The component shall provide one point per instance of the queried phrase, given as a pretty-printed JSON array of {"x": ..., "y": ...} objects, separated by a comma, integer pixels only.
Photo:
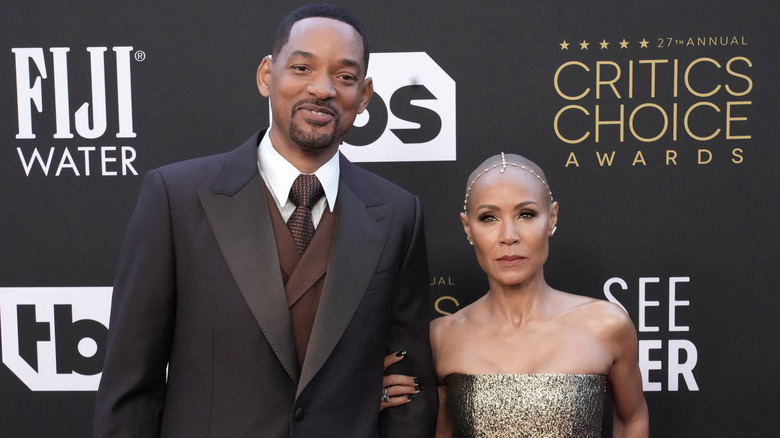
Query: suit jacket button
[{"x": 299, "y": 414}]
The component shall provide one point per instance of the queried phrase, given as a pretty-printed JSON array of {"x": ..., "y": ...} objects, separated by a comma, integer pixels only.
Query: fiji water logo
[{"x": 45, "y": 89}]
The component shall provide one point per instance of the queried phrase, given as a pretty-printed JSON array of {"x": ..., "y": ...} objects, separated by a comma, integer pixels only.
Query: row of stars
[{"x": 604, "y": 44}]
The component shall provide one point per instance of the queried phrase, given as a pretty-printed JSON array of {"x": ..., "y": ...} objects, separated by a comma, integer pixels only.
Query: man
[{"x": 228, "y": 320}]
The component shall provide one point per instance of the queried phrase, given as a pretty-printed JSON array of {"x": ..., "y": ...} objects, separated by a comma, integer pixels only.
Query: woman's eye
[
  {"x": 527, "y": 214},
  {"x": 487, "y": 218}
]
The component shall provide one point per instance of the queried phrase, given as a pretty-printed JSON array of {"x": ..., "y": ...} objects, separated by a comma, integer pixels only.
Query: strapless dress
[{"x": 526, "y": 405}]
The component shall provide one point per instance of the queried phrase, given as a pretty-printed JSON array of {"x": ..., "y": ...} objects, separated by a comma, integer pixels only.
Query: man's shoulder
[
  {"x": 194, "y": 165},
  {"x": 360, "y": 178},
  {"x": 239, "y": 160}
]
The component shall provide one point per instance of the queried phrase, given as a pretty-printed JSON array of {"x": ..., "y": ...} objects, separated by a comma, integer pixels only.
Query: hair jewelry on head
[{"x": 503, "y": 165}]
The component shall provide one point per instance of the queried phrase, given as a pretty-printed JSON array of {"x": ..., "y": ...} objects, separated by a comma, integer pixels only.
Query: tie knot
[{"x": 306, "y": 190}]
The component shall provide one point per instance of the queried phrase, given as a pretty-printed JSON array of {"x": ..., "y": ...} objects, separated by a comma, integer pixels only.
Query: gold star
[
  {"x": 564, "y": 45},
  {"x": 603, "y": 44},
  {"x": 583, "y": 45},
  {"x": 624, "y": 44},
  {"x": 644, "y": 43}
]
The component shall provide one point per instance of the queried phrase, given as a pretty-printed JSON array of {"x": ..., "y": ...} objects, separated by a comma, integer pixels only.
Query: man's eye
[{"x": 348, "y": 78}]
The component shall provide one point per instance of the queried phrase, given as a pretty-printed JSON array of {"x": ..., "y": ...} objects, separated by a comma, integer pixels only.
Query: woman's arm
[{"x": 624, "y": 381}]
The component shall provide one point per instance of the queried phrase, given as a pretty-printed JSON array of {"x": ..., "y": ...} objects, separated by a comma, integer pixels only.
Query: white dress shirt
[{"x": 279, "y": 175}]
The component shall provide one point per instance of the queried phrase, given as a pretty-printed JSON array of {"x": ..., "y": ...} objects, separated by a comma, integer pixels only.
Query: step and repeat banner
[{"x": 656, "y": 122}]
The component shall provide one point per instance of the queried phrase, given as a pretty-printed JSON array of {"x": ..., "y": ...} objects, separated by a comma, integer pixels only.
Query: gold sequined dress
[{"x": 526, "y": 405}]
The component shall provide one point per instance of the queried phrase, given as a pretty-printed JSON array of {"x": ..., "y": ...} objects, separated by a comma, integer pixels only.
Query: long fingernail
[
  {"x": 418, "y": 387},
  {"x": 400, "y": 353},
  {"x": 417, "y": 381},
  {"x": 411, "y": 396}
]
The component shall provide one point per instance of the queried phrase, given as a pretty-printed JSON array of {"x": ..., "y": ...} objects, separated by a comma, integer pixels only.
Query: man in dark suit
[{"x": 231, "y": 317}]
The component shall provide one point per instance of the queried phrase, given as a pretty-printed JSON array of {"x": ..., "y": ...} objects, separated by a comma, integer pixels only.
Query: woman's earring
[
  {"x": 555, "y": 227},
  {"x": 469, "y": 239}
]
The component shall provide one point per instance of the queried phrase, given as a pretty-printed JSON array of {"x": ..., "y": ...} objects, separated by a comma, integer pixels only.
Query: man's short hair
[{"x": 325, "y": 10}]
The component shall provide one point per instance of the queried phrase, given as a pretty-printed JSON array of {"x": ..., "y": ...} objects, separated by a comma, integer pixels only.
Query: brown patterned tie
[{"x": 305, "y": 192}]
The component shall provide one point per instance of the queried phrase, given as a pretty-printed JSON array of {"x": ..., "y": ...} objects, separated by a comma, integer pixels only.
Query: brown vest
[{"x": 303, "y": 286}]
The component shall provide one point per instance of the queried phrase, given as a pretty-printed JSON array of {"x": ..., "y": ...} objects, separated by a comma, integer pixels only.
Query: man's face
[{"x": 315, "y": 84}]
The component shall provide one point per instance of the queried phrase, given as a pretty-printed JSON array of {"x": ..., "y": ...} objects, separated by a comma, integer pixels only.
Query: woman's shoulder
[
  {"x": 441, "y": 324},
  {"x": 448, "y": 322},
  {"x": 452, "y": 323},
  {"x": 608, "y": 312},
  {"x": 590, "y": 305},
  {"x": 602, "y": 317}
]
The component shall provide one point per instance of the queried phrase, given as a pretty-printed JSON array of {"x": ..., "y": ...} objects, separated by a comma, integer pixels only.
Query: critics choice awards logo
[{"x": 656, "y": 102}]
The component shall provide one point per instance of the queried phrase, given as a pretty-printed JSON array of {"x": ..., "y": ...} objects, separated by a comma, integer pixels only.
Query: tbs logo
[{"x": 53, "y": 338}]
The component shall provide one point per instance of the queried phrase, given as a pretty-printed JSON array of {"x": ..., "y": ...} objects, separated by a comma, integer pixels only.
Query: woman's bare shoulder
[
  {"x": 609, "y": 320},
  {"x": 451, "y": 321},
  {"x": 603, "y": 316},
  {"x": 453, "y": 325},
  {"x": 590, "y": 305}
]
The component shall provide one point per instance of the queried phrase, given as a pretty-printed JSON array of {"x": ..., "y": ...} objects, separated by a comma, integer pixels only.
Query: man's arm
[
  {"x": 409, "y": 331},
  {"x": 132, "y": 389}
]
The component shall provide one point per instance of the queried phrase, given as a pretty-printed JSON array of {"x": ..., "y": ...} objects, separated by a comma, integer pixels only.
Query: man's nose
[{"x": 322, "y": 87}]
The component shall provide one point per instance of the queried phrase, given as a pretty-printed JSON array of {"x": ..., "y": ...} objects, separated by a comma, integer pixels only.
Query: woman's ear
[
  {"x": 553, "y": 217},
  {"x": 464, "y": 219}
]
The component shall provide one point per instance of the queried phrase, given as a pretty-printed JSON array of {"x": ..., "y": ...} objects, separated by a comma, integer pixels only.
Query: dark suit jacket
[{"x": 199, "y": 289}]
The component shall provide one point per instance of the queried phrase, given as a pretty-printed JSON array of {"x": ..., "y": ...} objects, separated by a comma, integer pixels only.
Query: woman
[{"x": 526, "y": 359}]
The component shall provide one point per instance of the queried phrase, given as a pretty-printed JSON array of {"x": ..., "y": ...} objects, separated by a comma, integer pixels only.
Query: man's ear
[
  {"x": 368, "y": 91},
  {"x": 264, "y": 76}
]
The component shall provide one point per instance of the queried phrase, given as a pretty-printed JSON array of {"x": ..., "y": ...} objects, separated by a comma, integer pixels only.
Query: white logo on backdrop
[
  {"x": 682, "y": 355},
  {"x": 53, "y": 338},
  {"x": 90, "y": 120}
]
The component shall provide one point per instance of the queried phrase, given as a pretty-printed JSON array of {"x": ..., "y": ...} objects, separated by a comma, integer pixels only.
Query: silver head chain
[{"x": 503, "y": 164}]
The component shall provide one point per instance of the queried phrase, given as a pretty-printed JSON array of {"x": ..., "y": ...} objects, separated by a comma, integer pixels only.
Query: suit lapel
[
  {"x": 238, "y": 214},
  {"x": 361, "y": 230},
  {"x": 240, "y": 220}
]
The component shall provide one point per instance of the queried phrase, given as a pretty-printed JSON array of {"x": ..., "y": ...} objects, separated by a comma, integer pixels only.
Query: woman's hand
[{"x": 398, "y": 389}]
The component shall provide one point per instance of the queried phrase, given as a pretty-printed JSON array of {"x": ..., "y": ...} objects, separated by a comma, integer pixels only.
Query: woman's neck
[{"x": 516, "y": 304}]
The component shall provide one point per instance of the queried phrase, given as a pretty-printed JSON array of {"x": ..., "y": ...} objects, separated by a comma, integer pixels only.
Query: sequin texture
[{"x": 526, "y": 405}]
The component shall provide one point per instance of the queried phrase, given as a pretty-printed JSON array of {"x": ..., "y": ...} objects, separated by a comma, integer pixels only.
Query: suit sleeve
[
  {"x": 131, "y": 396},
  {"x": 409, "y": 331}
]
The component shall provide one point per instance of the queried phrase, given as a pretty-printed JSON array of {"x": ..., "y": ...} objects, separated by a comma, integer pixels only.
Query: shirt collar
[{"x": 279, "y": 174}]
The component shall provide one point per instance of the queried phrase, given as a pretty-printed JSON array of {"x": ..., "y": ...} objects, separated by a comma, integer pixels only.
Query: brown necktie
[{"x": 305, "y": 191}]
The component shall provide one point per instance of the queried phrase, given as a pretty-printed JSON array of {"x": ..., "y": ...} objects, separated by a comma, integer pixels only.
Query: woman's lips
[{"x": 510, "y": 260}]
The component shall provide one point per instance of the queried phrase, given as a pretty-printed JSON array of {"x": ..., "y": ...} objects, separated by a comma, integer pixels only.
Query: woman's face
[{"x": 509, "y": 218}]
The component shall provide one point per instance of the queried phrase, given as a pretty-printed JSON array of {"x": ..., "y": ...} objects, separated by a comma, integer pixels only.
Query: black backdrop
[{"x": 675, "y": 219}]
